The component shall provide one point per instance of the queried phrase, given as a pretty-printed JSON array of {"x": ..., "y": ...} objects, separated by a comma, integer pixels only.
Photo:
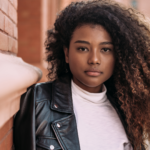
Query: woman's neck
[{"x": 97, "y": 89}]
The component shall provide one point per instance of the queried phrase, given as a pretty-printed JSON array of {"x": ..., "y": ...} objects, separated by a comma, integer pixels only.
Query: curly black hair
[{"x": 130, "y": 32}]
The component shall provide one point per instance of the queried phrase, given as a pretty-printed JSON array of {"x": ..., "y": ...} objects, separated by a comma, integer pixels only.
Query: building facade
[{"x": 15, "y": 74}]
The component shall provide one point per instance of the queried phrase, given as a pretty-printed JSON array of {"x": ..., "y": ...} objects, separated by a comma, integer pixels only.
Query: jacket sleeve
[{"x": 24, "y": 122}]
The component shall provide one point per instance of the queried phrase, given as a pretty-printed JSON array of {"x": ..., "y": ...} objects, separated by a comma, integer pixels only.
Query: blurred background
[
  {"x": 23, "y": 26},
  {"x": 36, "y": 17}
]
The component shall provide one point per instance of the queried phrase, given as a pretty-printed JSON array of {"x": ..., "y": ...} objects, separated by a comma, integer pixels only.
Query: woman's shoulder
[
  {"x": 40, "y": 91},
  {"x": 43, "y": 85},
  {"x": 45, "y": 90}
]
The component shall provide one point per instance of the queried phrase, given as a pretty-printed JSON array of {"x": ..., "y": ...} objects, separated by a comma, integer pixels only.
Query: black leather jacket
[{"x": 46, "y": 119}]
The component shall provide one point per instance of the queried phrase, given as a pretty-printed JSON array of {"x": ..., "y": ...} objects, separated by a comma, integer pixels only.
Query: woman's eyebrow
[
  {"x": 104, "y": 43},
  {"x": 80, "y": 41},
  {"x": 86, "y": 42}
]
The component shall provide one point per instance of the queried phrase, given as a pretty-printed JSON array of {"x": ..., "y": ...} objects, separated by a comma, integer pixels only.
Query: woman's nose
[{"x": 94, "y": 57}]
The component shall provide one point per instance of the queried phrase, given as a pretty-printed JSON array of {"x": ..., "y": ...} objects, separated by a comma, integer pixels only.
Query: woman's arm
[{"x": 24, "y": 122}]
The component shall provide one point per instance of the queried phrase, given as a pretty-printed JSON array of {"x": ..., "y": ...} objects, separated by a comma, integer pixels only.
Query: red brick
[
  {"x": 1, "y": 20},
  {"x": 12, "y": 12},
  {"x": 0, "y": 4},
  {"x": 9, "y": 140},
  {"x": 3, "y": 145},
  {"x": 12, "y": 1},
  {"x": 9, "y": 26},
  {"x": 16, "y": 4},
  {"x": 5, "y": 128},
  {"x": 3, "y": 41},
  {"x": 12, "y": 45},
  {"x": 4, "y": 6},
  {"x": 15, "y": 31},
  {"x": 15, "y": 17}
]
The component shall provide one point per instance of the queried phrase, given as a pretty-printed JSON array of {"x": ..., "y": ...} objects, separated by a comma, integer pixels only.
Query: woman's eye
[
  {"x": 106, "y": 49},
  {"x": 82, "y": 49}
]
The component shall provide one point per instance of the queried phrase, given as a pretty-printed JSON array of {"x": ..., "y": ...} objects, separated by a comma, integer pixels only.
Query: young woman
[{"x": 99, "y": 56}]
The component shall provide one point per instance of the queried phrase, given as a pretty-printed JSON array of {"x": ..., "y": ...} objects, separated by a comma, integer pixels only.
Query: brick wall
[
  {"x": 8, "y": 45},
  {"x": 8, "y": 26},
  {"x": 6, "y": 135}
]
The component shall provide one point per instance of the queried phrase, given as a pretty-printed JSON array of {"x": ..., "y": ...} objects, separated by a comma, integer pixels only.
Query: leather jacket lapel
[
  {"x": 65, "y": 128},
  {"x": 61, "y": 95}
]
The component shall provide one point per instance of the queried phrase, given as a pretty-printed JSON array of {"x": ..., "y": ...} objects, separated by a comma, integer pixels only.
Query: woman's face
[{"x": 90, "y": 57}]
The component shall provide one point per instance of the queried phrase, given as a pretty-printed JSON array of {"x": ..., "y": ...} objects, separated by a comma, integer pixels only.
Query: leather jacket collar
[
  {"x": 61, "y": 95},
  {"x": 46, "y": 117}
]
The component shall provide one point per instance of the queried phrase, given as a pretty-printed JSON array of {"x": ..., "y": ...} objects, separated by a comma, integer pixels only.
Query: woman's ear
[{"x": 66, "y": 51}]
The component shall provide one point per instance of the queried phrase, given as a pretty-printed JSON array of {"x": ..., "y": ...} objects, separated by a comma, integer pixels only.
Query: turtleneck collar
[{"x": 96, "y": 98}]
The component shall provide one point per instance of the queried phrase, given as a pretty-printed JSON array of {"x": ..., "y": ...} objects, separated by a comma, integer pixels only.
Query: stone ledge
[{"x": 15, "y": 77}]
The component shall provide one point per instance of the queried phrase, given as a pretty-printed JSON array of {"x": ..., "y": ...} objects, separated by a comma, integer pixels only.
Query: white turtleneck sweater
[{"x": 98, "y": 124}]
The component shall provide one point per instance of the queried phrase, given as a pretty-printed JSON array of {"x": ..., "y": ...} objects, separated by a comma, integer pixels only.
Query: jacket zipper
[{"x": 58, "y": 138}]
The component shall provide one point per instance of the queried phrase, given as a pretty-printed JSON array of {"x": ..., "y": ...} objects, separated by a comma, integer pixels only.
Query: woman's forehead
[{"x": 91, "y": 32}]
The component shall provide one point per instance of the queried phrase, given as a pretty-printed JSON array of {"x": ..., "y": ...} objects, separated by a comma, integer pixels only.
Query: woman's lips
[{"x": 93, "y": 73}]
